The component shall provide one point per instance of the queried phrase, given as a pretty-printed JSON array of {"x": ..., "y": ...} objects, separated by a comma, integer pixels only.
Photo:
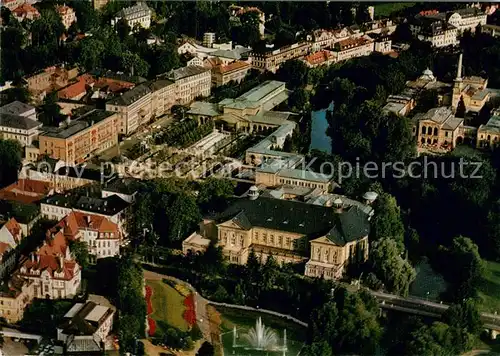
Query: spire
[{"x": 459, "y": 69}]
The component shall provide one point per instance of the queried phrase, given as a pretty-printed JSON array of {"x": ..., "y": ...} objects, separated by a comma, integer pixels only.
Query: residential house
[
  {"x": 15, "y": 296},
  {"x": 133, "y": 108},
  {"x": 291, "y": 231},
  {"x": 190, "y": 82},
  {"x": 10, "y": 237},
  {"x": 352, "y": 48},
  {"x": 50, "y": 79},
  {"x": 25, "y": 214},
  {"x": 101, "y": 235},
  {"x": 67, "y": 14},
  {"x": 85, "y": 327},
  {"x": 52, "y": 268},
  {"x": 139, "y": 14},
  {"x": 125, "y": 188}
]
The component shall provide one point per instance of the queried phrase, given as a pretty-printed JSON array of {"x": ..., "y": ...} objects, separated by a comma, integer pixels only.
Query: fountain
[{"x": 260, "y": 338}]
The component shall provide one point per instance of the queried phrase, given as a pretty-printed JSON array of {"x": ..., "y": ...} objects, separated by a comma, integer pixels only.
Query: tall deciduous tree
[
  {"x": 214, "y": 194},
  {"x": 11, "y": 156},
  {"x": 391, "y": 267},
  {"x": 81, "y": 252},
  {"x": 461, "y": 109},
  {"x": 294, "y": 73},
  {"x": 387, "y": 221}
]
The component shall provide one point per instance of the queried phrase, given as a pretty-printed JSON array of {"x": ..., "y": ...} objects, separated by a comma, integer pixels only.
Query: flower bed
[
  {"x": 190, "y": 313},
  {"x": 151, "y": 322}
]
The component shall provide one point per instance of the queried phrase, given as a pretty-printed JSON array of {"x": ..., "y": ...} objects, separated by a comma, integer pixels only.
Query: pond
[
  {"x": 249, "y": 333},
  {"x": 319, "y": 139},
  {"x": 428, "y": 284}
]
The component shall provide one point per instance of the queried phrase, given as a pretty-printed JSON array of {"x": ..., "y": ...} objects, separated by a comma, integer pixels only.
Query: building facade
[
  {"x": 190, "y": 82},
  {"x": 53, "y": 269},
  {"x": 75, "y": 141},
  {"x": 19, "y": 128},
  {"x": 438, "y": 128},
  {"x": 67, "y": 14},
  {"x": 133, "y": 109},
  {"x": 291, "y": 231},
  {"x": 10, "y": 237},
  {"x": 488, "y": 135},
  {"x": 15, "y": 298},
  {"x": 271, "y": 60},
  {"x": 162, "y": 96},
  {"x": 224, "y": 73},
  {"x": 137, "y": 15},
  {"x": 85, "y": 327}
]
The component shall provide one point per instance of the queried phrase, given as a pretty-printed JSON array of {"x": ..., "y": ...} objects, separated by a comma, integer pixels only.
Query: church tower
[{"x": 457, "y": 84}]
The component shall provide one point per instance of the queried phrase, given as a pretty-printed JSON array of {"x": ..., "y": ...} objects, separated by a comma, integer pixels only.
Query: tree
[
  {"x": 465, "y": 316},
  {"x": 466, "y": 274},
  {"x": 168, "y": 59},
  {"x": 11, "y": 156},
  {"x": 214, "y": 193},
  {"x": 81, "y": 252},
  {"x": 320, "y": 348},
  {"x": 349, "y": 324},
  {"x": 206, "y": 349},
  {"x": 461, "y": 109},
  {"x": 298, "y": 100},
  {"x": 294, "y": 73},
  {"x": 427, "y": 100},
  {"x": 387, "y": 220},
  {"x": 91, "y": 53},
  {"x": 248, "y": 34},
  {"x": 220, "y": 294},
  {"x": 12, "y": 94},
  {"x": 494, "y": 230},
  {"x": 134, "y": 64},
  {"x": 51, "y": 111},
  {"x": 123, "y": 29},
  {"x": 390, "y": 267}
]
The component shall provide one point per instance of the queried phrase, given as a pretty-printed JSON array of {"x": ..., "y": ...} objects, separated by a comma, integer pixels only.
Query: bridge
[{"x": 427, "y": 308}]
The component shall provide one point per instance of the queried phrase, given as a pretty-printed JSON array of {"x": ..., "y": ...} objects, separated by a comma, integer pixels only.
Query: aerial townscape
[{"x": 200, "y": 178}]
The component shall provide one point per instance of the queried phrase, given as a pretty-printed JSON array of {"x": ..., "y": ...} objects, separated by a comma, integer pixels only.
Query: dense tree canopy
[{"x": 11, "y": 155}]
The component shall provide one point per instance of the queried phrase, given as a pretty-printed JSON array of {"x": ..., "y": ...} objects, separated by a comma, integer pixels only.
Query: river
[{"x": 319, "y": 139}]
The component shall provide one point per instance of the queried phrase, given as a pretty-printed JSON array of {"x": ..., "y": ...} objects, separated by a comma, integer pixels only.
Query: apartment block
[
  {"x": 162, "y": 96},
  {"x": 15, "y": 296},
  {"x": 133, "y": 108},
  {"x": 75, "y": 141},
  {"x": 225, "y": 73}
]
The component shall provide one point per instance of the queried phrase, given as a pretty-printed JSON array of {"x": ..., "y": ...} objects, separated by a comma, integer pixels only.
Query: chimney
[
  {"x": 337, "y": 204},
  {"x": 37, "y": 258},
  {"x": 88, "y": 219},
  {"x": 459, "y": 69},
  {"x": 32, "y": 255},
  {"x": 61, "y": 261}
]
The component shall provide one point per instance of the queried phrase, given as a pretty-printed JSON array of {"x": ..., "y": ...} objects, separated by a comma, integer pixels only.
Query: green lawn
[
  {"x": 490, "y": 289},
  {"x": 168, "y": 306},
  {"x": 386, "y": 9}
]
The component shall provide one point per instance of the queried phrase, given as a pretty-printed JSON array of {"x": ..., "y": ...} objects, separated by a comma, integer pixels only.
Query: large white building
[
  {"x": 102, "y": 236},
  {"x": 443, "y": 29},
  {"x": 190, "y": 82},
  {"x": 139, "y": 14},
  {"x": 18, "y": 122}
]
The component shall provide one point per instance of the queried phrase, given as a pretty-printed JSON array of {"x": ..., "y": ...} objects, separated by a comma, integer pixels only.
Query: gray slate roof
[
  {"x": 184, "y": 72},
  {"x": 17, "y": 122},
  {"x": 16, "y": 108},
  {"x": 310, "y": 220},
  {"x": 130, "y": 96}
]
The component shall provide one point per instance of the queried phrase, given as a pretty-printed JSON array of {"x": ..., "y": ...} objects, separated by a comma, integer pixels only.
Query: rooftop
[
  {"x": 203, "y": 108},
  {"x": 122, "y": 185},
  {"x": 296, "y": 217},
  {"x": 18, "y": 122},
  {"x": 256, "y": 97},
  {"x": 138, "y": 8},
  {"x": 26, "y": 191},
  {"x": 16, "y": 108},
  {"x": 84, "y": 319},
  {"x": 184, "y": 72},
  {"x": 130, "y": 96},
  {"x": 108, "y": 206},
  {"x": 83, "y": 122}
]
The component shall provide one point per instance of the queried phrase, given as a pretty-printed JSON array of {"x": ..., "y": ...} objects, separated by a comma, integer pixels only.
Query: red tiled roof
[
  {"x": 4, "y": 247},
  {"x": 25, "y": 9},
  {"x": 318, "y": 57},
  {"x": 113, "y": 85},
  {"x": 76, "y": 89},
  {"x": 231, "y": 67},
  {"x": 14, "y": 228},
  {"x": 76, "y": 221},
  {"x": 63, "y": 9},
  {"x": 26, "y": 191},
  {"x": 352, "y": 42}
]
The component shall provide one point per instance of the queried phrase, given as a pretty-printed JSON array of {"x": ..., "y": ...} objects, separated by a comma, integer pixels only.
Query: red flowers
[
  {"x": 151, "y": 322},
  {"x": 189, "y": 314}
]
